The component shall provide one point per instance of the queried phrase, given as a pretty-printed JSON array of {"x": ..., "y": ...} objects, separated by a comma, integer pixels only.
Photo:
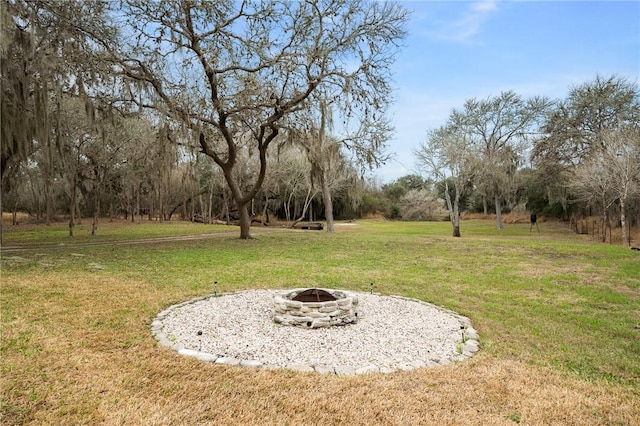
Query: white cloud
[
  {"x": 485, "y": 6},
  {"x": 470, "y": 23}
]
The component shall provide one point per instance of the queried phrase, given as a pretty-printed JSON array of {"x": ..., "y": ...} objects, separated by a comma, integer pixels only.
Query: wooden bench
[{"x": 315, "y": 226}]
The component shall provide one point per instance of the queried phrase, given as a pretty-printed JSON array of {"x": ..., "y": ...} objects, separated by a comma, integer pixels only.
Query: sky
[{"x": 458, "y": 50}]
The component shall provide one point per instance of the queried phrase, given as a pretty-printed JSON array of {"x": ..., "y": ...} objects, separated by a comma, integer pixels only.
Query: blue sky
[{"x": 456, "y": 50}]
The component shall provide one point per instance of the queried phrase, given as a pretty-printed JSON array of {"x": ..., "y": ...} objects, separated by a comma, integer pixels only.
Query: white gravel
[{"x": 391, "y": 333}]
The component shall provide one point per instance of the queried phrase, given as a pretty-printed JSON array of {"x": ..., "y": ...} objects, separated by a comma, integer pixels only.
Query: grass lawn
[{"x": 558, "y": 317}]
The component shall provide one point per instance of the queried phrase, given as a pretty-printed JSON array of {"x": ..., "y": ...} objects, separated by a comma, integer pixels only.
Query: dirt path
[{"x": 152, "y": 240}]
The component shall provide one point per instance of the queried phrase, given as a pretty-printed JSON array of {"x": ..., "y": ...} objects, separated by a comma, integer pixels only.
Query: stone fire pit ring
[
  {"x": 392, "y": 333},
  {"x": 315, "y": 308}
]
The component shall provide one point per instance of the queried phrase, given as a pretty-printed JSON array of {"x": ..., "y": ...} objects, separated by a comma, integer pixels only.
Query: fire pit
[{"x": 315, "y": 308}]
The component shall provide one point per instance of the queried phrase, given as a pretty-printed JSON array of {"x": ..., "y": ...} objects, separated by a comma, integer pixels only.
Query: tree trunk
[
  {"x": 485, "y": 205},
  {"x": 1, "y": 216},
  {"x": 498, "y": 212},
  {"x": 185, "y": 209},
  {"x": 161, "y": 203},
  {"x": 623, "y": 219},
  {"x": 96, "y": 213},
  {"x": 307, "y": 205},
  {"x": 265, "y": 210},
  {"x": 286, "y": 205},
  {"x": 245, "y": 221},
  {"x": 47, "y": 201},
  {"x": 203, "y": 208},
  {"x": 78, "y": 214},
  {"x": 210, "y": 217},
  {"x": 138, "y": 213},
  {"x": 14, "y": 214},
  {"x": 127, "y": 201},
  {"x": 454, "y": 210},
  {"x": 328, "y": 203},
  {"x": 110, "y": 203},
  {"x": 242, "y": 204},
  {"x": 226, "y": 208},
  {"x": 72, "y": 218}
]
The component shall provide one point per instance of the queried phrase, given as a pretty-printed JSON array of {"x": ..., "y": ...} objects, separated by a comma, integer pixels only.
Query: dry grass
[
  {"x": 510, "y": 218},
  {"x": 614, "y": 236},
  {"x": 81, "y": 354},
  {"x": 81, "y": 364}
]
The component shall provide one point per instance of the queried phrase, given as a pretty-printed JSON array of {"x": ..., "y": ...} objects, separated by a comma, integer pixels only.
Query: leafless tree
[
  {"x": 612, "y": 174},
  {"x": 594, "y": 187},
  {"x": 419, "y": 204},
  {"x": 292, "y": 172},
  {"x": 230, "y": 72},
  {"x": 364, "y": 140},
  {"x": 574, "y": 131},
  {"x": 446, "y": 154},
  {"x": 499, "y": 129}
]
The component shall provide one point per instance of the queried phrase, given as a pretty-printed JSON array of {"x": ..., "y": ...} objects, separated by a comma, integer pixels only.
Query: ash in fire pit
[{"x": 315, "y": 308}]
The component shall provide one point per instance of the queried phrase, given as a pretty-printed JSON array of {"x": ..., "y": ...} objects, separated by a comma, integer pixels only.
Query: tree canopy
[
  {"x": 249, "y": 109},
  {"x": 231, "y": 73}
]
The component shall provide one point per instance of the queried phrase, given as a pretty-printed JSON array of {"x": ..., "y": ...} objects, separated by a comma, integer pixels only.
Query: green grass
[
  {"x": 551, "y": 299},
  {"x": 58, "y": 234}
]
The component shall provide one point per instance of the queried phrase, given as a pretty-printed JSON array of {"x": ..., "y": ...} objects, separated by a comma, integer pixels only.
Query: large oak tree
[
  {"x": 580, "y": 135},
  {"x": 230, "y": 73}
]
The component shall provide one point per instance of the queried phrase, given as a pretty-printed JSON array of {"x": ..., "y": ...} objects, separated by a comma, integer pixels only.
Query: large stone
[
  {"x": 300, "y": 367},
  {"x": 315, "y": 314},
  {"x": 471, "y": 333},
  {"x": 345, "y": 370},
  {"x": 470, "y": 346},
  {"x": 227, "y": 361},
  {"x": 322, "y": 369},
  {"x": 368, "y": 369},
  {"x": 202, "y": 356}
]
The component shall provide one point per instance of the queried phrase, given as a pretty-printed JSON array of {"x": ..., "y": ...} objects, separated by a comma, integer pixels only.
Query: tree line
[
  {"x": 103, "y": 98},
  {"x": 254, "y": 110},
  {"x": 568, "y": 158}
]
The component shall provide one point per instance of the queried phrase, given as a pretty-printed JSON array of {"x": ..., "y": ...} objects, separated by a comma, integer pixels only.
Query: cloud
[
  {"x": 485, "y": 6},
  {"x": 470, "y": 23}
]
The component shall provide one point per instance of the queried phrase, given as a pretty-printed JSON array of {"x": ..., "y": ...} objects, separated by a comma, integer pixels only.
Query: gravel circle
[{"x": 391, "y": 333}]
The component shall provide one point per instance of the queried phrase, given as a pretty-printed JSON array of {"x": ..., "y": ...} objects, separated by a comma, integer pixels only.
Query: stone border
[
  {"x": 468, "y": 344},
  {"x": 333, "y": 313}
]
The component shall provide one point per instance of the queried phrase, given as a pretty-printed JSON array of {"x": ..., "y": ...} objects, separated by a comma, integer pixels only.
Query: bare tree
[
  {"x": 419, "y": 204},
  {"x": 323, "y": 153},
  {"x": 499, "y": 129},
  {"x": 621, "y": 162},
  {"x": 231, "y": 72},
  {"x": 446, "y": 154},
  {"x": 574, "y": 130},
  {"x": 594, "y": 187},
  {"x": 363, "y": 132},
  {"x": 74, "y": 132},
  {"x": 138, "y": 150},
  {"x": 296, "y": 189}
]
